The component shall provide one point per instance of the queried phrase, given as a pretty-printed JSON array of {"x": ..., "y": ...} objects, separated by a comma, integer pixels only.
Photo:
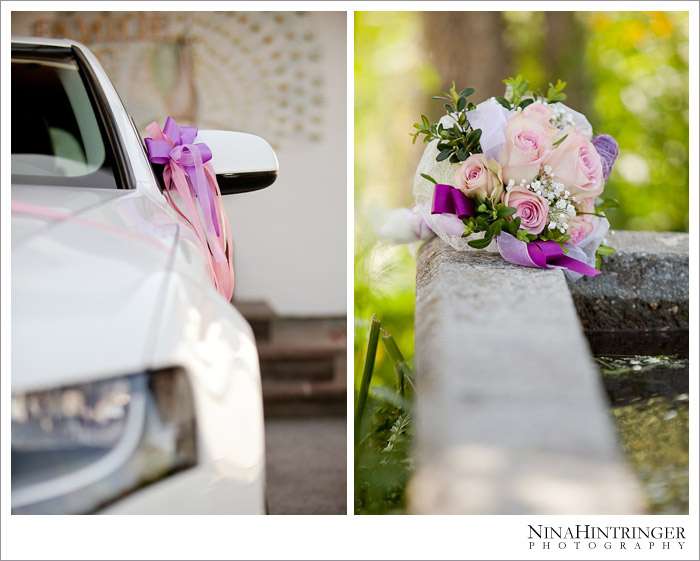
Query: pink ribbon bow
[{"x": 188, "y": 171}]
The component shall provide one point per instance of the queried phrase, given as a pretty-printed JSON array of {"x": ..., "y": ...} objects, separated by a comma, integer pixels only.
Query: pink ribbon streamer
[
  {"x": 189, "y": 172},
  {"x": 19, "y": 207}
]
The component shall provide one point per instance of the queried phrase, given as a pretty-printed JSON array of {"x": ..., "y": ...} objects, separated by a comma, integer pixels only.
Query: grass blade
[
  {"x": 403, "y": 371},
  {"x": 366, "y": 376}
]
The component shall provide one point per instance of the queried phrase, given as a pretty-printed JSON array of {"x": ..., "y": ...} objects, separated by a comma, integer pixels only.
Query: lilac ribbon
[
  {"x": 544, "y": 255},
  {"x": 448, "y": 200},
  {"x": 178, "y": 148}
]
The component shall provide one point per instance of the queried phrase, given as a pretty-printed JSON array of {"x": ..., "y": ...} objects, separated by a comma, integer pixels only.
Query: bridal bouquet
[{"x": 520, "y": 174}]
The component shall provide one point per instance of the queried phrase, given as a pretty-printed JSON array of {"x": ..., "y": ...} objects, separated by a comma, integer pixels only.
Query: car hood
[{"x": 88, "y": 271}]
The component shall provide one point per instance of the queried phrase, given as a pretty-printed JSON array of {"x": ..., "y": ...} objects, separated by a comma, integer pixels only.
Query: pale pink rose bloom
[
  {"x": 579, "y": 227},
  {"x": 530, "y": 207},
  {"x": 576, "y": 164},
  {"x": 543, "y": 112},
  {"x": 479, "y": 178},
  {"x": 527, "y": 145}
]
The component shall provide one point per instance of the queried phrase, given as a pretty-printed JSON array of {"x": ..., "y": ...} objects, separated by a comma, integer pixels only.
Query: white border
[{"x": 323, "y": 537}]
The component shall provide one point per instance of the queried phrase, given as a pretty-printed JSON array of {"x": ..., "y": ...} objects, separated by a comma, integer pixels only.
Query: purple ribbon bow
[
  {"x": 175, "y": 145},
  {"x": 448, "y": 200}
]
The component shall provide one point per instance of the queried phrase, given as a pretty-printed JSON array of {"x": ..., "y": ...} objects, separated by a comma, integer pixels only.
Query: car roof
[{"x": 45, "y": 41}]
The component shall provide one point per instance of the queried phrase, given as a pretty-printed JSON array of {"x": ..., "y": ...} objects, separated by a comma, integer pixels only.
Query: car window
[{"x": 56, "y": 134}]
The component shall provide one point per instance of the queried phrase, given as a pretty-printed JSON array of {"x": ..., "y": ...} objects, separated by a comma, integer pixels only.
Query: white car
[{"x": 135, "y": 384}]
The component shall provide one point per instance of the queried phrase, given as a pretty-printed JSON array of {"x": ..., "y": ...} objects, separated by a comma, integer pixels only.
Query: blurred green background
[{"x": 627, "y": 71}]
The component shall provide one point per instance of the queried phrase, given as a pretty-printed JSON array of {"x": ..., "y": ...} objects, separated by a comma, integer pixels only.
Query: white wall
[
  {"x": 279, "y": 75},
  {"x": 290, "y": 239}
]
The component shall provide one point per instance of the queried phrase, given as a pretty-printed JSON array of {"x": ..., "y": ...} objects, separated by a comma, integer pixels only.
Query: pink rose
[
  {"x": 530, "y": 207},
  {"x": 479, "y": 178},
  {"x": 543, "y": 113},
  {"x": 579, "y": 227},
  {"x": 527, "y": 145},
  {"x": 576, "y": 164}
]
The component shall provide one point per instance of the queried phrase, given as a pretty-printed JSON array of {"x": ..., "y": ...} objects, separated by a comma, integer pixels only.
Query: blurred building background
[{"x": 281, "y": 76}]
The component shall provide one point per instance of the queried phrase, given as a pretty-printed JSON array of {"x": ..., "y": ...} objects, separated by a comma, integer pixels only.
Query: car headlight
[{"x": 76, "y": 449}]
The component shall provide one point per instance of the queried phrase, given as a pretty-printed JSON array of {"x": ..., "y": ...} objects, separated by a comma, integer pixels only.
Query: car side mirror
[{"x": 242, "y": 162}]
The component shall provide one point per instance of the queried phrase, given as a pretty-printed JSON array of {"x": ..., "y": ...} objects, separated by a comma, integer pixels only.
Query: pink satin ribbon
[
  {"x": 20, "y": 207},
  {"x": 189, "y": 172}
]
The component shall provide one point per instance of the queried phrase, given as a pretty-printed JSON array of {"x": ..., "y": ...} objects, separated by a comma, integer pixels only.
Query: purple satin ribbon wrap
[
  {"x": 540, "y": 254},
  {"x": 448, "y": 200}
]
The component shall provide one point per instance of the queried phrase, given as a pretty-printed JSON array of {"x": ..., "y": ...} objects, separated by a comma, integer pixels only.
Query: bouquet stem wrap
[
  {"x": 540, "y": 254},
  {"x": 188, "y": 171}
]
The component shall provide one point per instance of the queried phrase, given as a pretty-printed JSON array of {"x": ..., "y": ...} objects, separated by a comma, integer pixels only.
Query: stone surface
[
  {"x": 511, "y": 415},
  {"x": 639, "y": 305},
  {"x": 306, "y": 466}
]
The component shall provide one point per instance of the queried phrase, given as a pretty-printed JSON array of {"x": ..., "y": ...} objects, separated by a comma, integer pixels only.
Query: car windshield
[{"x": 56, "y": 134}]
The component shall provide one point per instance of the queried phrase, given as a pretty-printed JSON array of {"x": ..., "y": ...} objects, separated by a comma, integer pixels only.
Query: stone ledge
[
  {"x": 511, "y": 417},
  {"x": 640, "y": 302}
]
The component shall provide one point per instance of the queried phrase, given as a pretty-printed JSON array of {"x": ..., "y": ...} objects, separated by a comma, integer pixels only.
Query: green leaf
[
  {"x": 480, "y": 244},
  {"x": 558, "y": 142},
  {"x": 525, "y": 102},
  {"x": 504, "y": 102},
  {"x": 444, "y": 154},
  {"x": 605, "y": 250},
  {"x": 554, "y": 93},
  {"x": 507, "y": 211},
  {"x": 466, "y": 92},
  {"x": 481, "y": 208},
  {"x": 461, "y": 104},
  {"x": 448, "y": 108},
  {"x": 454, "y": 159},
  {"x": 607, "y": 203},
  {"x": 426, "y": 123},
  {"x": 426, "y": 176}
]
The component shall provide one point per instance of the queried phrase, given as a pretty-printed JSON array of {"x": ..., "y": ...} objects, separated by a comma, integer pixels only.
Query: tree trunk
[
  {"x": 563, "y": 57},
  {"x": 468, "y": 47}
]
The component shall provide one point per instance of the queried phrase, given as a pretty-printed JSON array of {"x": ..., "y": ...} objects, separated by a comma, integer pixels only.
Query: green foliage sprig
[
  {"x": 518, "y": 88},
  {"x": 459, "y": 141},
  {"x": 493, "y": 219}
]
